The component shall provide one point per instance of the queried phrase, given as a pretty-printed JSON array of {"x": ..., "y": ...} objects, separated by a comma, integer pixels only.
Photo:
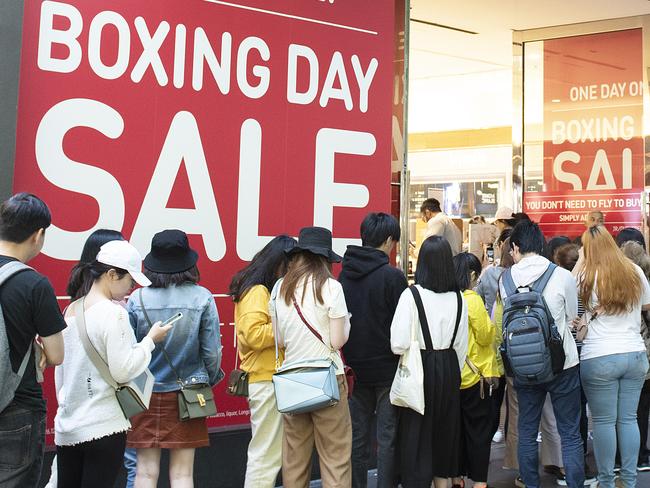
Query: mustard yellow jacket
[
  {"x": 256, "y": 347},
  {"x": 481, "y": 348}
]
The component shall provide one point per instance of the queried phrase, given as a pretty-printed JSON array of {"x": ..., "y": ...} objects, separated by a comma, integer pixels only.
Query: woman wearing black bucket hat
[
  {"x": 309, "y": 294},
  {"x": 190, "y": 356}
]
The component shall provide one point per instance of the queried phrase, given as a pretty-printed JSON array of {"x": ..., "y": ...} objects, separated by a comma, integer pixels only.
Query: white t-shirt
[
  {"x": 299, "y": 342},
  {"x": 616, "y": 334},
  {"x": 440, "y": 309},
  {"x": 441, "y": 225}
]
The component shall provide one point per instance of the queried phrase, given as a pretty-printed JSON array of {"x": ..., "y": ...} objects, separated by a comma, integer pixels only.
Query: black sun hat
[
  {"x": 170, "y": 253},
  {"x": 316, "y": 240}
]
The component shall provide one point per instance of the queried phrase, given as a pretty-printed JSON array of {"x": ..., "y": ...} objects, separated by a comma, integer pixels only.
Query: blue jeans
[
  {"x": 130, "y": 464},
  {"x": 613, "y": 386},
  {"x": 565, "y": 396},
  {"x": 22, "y": 441},
  {"x": 366, "y": 402}
]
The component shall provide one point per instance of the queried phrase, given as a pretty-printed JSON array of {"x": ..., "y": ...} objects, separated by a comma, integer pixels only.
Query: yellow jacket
[
  {"x": 256, "y": 347},
  {"x": 498, "y": 322},
  {"x": 481, "y": 341}
]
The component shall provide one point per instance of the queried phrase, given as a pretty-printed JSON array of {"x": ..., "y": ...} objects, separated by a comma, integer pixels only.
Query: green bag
[{"x": 196, "y": 402}]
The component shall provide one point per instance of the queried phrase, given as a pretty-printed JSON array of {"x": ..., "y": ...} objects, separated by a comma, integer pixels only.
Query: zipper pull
[{"x": 527, "y": 309}]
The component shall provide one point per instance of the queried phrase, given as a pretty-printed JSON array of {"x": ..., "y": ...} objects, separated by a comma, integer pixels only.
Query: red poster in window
[
  {"x": 593, "y": 143},
  {"x": 233, "y": 121}
]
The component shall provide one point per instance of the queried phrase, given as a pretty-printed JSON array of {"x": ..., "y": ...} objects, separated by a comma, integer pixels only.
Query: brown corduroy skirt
[{"x": 160, "y": 427}]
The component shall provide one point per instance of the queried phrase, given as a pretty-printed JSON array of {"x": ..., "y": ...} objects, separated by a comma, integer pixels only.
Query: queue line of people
[{"x": 289, "y": 308}]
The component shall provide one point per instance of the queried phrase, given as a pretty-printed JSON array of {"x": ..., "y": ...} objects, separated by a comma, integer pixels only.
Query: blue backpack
[{"x": 532, "y": 348}]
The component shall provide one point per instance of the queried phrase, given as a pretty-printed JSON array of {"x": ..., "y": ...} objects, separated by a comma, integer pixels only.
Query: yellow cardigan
[
  {"x": 256, "y": 347},
  {"x": 481, "y": 341}
]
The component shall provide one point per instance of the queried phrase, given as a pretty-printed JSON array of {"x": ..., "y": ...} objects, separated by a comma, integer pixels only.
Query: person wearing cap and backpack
[
  {"x": 101, "y": 351},
  {"x": 539, "y": 304},
  {"x": 29, "y": 309}
]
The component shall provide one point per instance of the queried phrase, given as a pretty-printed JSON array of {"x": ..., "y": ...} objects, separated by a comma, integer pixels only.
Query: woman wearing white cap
[{"x": 90, "y": 428}]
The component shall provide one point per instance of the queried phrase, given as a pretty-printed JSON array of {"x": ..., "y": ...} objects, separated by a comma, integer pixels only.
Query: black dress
[{"x": 428, "y": 445}]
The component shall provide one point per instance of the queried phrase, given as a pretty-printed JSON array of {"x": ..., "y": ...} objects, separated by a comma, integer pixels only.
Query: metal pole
[{"x": 405, "y": 193}]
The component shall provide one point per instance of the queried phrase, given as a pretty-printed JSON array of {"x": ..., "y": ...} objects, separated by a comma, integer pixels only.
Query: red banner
[
  {"x": 233, "y": 121},
  {"x": 593, "y": 142}
]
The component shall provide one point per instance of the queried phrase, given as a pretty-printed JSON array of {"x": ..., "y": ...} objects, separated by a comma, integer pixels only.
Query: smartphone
[
  {"x": 173, "y": 319},
  {"x": 490, "y": 254}
]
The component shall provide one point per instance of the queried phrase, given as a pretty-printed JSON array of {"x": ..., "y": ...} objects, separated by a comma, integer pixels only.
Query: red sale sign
[
  {"x": 233, "y": 121},
  {"x": 593, "y": 141}
]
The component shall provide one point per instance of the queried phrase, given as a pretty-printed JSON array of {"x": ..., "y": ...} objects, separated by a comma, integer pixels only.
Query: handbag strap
[
  {"x": 162, "y": 346},
  {"x": 274, "y": 299},
  {"x": 91, "y": 352},
  {"x": 424, "y": 324},
  {"x": 311, "y": 329},
  {"x": 459, "y": 312},
  {"x": 473, "y": 367}
]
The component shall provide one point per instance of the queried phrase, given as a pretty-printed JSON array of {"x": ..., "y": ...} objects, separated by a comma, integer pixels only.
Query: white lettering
[
  {"x": 293, "y": 95},
  {"x": 47, "y": 36},
  {"x": 150, "y": 55},
  {"x": 262, "y": 72},
  {"x": 121, "y": 64},
  {"x": 203, "y": 51}
]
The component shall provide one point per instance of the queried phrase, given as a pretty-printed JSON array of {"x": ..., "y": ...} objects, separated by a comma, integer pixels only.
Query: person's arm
[
  {"x": 338, "y": 314},
  {"x": 126, "y": 358},
  {"x": 48, "y": 321},
  {"x": 434, "y": 228},
  {"x": 400, "y": 329},
  {"x": 460, "y": 344},
  {"x": 210, "y": 341},
  {"x": 53, "y": 348},
  {"x": 645, "y": 290},
  {"x": 479, "y": 321},
  {"x": 254, "y": 327},
  {"x": 338, "y": 337}
]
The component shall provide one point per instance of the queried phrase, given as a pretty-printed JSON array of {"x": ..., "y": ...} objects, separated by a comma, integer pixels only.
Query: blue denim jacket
[{"x": 194, "y": 342}]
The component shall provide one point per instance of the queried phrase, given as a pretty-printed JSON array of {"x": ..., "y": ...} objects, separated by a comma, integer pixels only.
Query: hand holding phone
[{"x": 173, "y": 319}]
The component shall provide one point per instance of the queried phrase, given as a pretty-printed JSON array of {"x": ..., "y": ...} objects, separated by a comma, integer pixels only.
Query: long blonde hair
[
  {"x": 609, "y": 273},
  {"x": 305, "y": 265}
]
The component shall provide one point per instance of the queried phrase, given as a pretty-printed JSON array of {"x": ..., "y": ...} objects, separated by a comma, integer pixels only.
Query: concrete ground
[{"x": 501, "y": 478}]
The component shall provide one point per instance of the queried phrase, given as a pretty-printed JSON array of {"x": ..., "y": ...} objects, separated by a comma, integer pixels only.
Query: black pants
[
  {"x": 477, "y": 424},
  {"x": 93, "y": 464}
]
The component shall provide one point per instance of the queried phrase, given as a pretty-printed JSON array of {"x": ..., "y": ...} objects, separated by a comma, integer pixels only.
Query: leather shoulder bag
[
  {"x": 194, "y": 401},
  {"x": 305, "y": 385}
]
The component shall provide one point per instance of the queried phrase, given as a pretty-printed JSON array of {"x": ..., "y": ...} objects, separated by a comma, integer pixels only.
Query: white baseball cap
[
  {"x": 504, "y": 213},
  {"x": 123, "y": 255}
]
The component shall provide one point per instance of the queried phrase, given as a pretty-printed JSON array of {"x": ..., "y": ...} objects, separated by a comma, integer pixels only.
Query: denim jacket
[{"x": 194, "y": 342}]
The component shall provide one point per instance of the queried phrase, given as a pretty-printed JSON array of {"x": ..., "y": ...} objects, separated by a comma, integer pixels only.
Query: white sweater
[{"x": 88, "y": 408}]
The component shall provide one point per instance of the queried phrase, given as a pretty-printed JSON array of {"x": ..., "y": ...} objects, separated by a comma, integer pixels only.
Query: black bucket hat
[
  {"x": 170, "y": 253},
  {"x": 316, "y": 240}
]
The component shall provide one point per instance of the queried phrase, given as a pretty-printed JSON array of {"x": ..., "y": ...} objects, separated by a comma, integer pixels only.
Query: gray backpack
[
  {"x": 8, "y": 379},
  {"x": 532, "y": 348}
]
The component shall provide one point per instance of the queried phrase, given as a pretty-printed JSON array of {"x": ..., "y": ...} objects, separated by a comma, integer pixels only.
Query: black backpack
[{"x": 532, "y": 348}]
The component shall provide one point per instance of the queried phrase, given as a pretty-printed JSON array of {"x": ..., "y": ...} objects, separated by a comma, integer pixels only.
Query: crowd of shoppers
[{"x": 290, "y": 311}]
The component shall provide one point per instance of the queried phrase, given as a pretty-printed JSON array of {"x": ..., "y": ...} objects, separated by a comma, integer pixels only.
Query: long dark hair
[
  {"x": 464, "y": 264},
  {"x": 264, "y": 269},
  {"x": 435, "y": 270},
  {"x": 81, "y": 279}
]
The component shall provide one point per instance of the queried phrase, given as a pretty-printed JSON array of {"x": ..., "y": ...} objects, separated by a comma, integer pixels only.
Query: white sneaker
[{"x": 498, "y": 436}]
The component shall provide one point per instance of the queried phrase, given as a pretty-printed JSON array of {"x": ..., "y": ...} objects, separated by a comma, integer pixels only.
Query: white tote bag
[{"x": 408, "y": 386}]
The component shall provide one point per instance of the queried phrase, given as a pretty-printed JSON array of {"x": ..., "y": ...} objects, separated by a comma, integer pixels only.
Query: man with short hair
[
  {"x": 561, "y": 296},
  {"x": 439, "y": 224},
  {"x": 372, "y": 288},
  {"x": 594, "y": 218},
  {"x": 30, "y": 309}
]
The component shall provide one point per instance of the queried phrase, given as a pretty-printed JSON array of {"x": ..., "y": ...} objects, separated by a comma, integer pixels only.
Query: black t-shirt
[{"x": 29, "y": 308}]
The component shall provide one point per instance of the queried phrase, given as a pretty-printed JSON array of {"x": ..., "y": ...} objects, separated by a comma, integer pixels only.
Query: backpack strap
[
  {"x": 6, "y": 272},
  {"x": 424, "y": 324},
  {"x": 542, "y": 281},
  {"x": 459, "y": 312},
  {"x": 508, "y": 282}
]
